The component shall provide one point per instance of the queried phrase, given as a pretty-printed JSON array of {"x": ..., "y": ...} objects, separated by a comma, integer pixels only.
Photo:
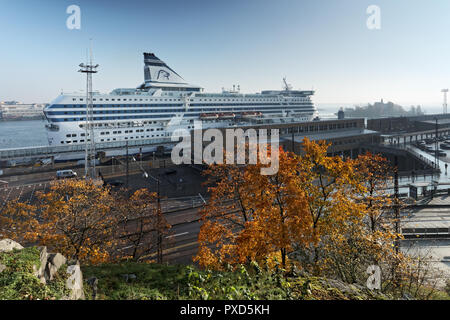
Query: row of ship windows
[
  {"x": 116, "y": 132},
  {"x": 99, "y": 125},
  {"x": 73, "y": 135},
  {"x": 54, "y": 113},
  {"x": 114, "y": 139},
  {"x": 75, "y": 106},
  {"x": 153, "y": 99},
  {"x": 139, "y": 117}
]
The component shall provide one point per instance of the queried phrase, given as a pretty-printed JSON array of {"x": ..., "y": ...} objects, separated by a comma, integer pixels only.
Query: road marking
[
  {"x": 177, "y": 235},
  {"x": 170, "y": 250},
  {"x": 32, "y": 193}
]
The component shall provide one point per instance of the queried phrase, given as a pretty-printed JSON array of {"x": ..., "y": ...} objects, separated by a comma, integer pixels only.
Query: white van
[{"x": 61, "y": 174}]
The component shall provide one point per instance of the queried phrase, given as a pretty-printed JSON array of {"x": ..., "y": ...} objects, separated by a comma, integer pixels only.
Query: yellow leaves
[
  {"x": 73, "y": 218},
  {"x": 18, "y": 221},
  {"x": 311, "y": 199}
]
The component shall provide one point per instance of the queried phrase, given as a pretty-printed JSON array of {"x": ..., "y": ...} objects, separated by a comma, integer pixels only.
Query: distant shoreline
[{"x": 22, "y": 119}]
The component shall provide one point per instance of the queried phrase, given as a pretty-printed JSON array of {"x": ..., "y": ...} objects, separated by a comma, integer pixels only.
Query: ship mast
[{"x": 286, "y": 86}]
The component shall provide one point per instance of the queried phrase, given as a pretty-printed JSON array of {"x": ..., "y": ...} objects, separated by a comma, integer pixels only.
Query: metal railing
[
  {"x": 407, "y": 149},
  {"x": 29, "y": 152}
]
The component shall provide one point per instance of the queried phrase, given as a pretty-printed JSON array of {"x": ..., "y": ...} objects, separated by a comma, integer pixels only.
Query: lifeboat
[
  {"x": 251, "y": 114},
  {"x": 227, "y": 115},
  {"x": 207, "y": 116}
]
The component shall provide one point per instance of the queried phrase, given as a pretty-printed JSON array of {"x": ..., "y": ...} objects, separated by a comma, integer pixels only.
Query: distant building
[
  {"x": 341, "y": 114},
  {"x": 13, "y": 110}
]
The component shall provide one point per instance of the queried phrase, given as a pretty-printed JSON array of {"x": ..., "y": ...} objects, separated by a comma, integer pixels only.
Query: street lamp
[
  {"x": 112, "y": 164},
  {"x": 146, "y": 175}
]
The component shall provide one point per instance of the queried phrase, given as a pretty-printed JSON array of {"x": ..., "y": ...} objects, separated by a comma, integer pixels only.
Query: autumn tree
[
  {"x": 251, "y": 216},
  {"x": 375, "y": 174},
  {"x": 18, "y": 221},
  {"x": 76, "y": 218},
  {"x": 225, "y": 215},
  {"x": 291, "y": 211},
  {"x": 142, "y": 224},
  {"x": 329, "y": 185},
  {"x": 367, "y": 238},
  {"x": 280, "y": 211}
]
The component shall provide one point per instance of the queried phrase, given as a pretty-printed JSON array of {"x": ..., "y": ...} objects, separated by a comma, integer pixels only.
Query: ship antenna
[{"x": 287, "y": 87}]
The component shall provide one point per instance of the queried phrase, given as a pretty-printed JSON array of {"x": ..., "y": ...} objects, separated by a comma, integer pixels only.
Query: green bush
[{"x": 155, "y": 281}]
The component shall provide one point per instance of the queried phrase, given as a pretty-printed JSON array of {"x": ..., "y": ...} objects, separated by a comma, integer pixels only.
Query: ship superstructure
[{"x": 165, "y": 102}]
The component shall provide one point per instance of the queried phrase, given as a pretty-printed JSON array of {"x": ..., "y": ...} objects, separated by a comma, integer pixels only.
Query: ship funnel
[{"x": 157, "y": 71}]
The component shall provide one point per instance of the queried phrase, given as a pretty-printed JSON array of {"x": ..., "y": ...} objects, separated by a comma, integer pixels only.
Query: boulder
[
  {"x": 2, "y": 267},
  {"x": 9, "y": 245},
  {"x": 43, "y": 256},
  {"x": 54, "y": 262},
  {"x": 129, "y": 277},
  {"x": 75, "y": 282}
]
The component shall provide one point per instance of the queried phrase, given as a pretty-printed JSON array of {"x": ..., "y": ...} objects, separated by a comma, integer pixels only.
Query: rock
[
  {"x": 406, "y": 297},
  {"x": 75, "y": 282},
  {"x": 43, "y": 256},
  {"x": 2, "y": 267},
  {"x": 54, "y": 262},
  {"x": 57, "y": 259},
  {"x": 7, "y": 245},
  {"x": 129, "y": 277}
]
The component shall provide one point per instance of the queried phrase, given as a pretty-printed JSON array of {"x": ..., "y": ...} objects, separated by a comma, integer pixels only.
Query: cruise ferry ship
[{"x": 165, "y": 102}]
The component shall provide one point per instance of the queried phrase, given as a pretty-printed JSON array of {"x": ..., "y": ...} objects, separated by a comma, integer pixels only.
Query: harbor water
[{"x": 27, "y": 133}]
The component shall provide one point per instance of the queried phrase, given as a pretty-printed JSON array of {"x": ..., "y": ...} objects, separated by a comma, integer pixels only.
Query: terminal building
[{"x": 347, "y": 137}]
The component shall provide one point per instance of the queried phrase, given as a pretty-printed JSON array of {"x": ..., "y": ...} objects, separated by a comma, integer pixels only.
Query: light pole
[
  {"x": 159, "y": 254},
  {"x": 90, "y": 154},
  {"x": 112, "y": 165},
  {"x": 396, "y": 206},
  {"x": 436, "y": 146}
]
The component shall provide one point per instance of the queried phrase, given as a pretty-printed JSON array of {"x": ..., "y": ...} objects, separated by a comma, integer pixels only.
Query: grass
[
  {"x": 18, "y": 282},
  {"x": 171, "y": 282},
  {"x": 187, "y": 282}
]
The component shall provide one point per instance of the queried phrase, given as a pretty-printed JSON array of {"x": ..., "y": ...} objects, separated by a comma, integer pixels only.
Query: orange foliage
[
  {"x": 75, "y": 218},
  {"x": 313, "y": 202}
]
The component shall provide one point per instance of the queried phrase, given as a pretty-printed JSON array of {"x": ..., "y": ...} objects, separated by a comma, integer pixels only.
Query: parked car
[{"x": 62, "y": 174}]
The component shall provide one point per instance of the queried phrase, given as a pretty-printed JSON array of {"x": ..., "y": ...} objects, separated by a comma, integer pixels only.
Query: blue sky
[{"x": 320, "y": 44}]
